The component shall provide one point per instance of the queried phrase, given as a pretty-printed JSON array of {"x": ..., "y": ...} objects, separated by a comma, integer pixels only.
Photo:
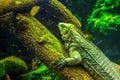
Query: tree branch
[{"x": 11, "y": 5}]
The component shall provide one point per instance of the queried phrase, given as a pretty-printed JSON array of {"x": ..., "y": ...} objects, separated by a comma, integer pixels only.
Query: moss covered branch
[
  {"x": 12, "y": 65},
  {"x": 11, "y": 5},
  {"x": 58, "y": 13},
  {"x": 64, "y": 14}
]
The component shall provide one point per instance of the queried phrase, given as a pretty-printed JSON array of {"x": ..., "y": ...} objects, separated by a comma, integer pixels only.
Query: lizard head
[{"x": 65, "y": 29}]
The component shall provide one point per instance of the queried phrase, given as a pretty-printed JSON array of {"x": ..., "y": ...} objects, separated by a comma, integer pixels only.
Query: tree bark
[
  {"x": 11, "y": 5},
  {"x": 58, "y": 12},
  {"x": 61, "y": 13}
]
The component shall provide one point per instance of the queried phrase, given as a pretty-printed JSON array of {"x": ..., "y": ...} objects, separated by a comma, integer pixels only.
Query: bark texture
[
  {"x": 58, "y": 13},
  {"x": 11, "y": 5},
  {"x": 61, "y": 13}
]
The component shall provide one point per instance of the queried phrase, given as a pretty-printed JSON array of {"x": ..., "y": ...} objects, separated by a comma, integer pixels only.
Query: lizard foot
[{"x": 60, "y": 63}]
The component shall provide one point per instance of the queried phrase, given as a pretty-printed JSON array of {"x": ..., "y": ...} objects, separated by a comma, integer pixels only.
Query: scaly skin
[{"x": 85, "y": 52}]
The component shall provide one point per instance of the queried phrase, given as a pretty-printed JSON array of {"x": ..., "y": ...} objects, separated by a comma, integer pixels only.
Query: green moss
[
  {"x": 12, "y": 64},
  {"x": 15, "y": 64},
  {"x": 2, "y": 69},
  {"x": 48, "y": 38},
  {"x": 42, "y": 36},
  {"x": 41, "y": 73},
  {"x": 105, "y": 17}
]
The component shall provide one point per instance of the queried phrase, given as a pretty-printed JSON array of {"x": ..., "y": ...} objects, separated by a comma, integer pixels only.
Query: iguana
[{"x": 85, "y": 52}]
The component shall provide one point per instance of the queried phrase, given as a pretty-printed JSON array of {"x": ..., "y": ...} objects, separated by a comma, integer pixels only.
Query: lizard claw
[{"x": 60, "y": 63}]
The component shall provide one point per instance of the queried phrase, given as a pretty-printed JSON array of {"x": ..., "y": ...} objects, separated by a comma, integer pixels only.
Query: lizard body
[{"x": 83, "y": 51}]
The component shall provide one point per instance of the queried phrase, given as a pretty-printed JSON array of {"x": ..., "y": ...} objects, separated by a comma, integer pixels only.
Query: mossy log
[
  {"x": 12, "y": 65},
  {"x": 61, "y": 13},
  {"x": 11, "y": 5}
]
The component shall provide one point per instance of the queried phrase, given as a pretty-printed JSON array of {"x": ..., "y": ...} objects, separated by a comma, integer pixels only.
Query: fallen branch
[
  {"x": 11, "y": 5},
  {"x": 56, "y": 11}
]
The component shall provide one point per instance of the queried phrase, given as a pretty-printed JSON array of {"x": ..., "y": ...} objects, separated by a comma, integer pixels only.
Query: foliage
[
  {"x": 2, "y": 69},
  {"x": 41, "y": 73},
  {"x": 81, "y": 9},
  {"x": 105, "y": 17}
]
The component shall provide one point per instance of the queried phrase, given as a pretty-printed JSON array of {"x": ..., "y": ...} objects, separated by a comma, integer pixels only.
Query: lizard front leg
[{"x": 75, "y": 58}]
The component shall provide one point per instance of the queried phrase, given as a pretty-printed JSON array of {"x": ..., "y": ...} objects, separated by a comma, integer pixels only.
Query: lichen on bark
[{"x": 12, "y": 5}]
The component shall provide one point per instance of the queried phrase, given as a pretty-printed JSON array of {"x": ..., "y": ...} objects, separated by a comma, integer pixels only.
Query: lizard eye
[{"x": 63, "y": 26}]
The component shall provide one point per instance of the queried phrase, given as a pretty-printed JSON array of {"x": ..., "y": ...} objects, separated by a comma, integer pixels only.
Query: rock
[{"x": 12, "y": 65}]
